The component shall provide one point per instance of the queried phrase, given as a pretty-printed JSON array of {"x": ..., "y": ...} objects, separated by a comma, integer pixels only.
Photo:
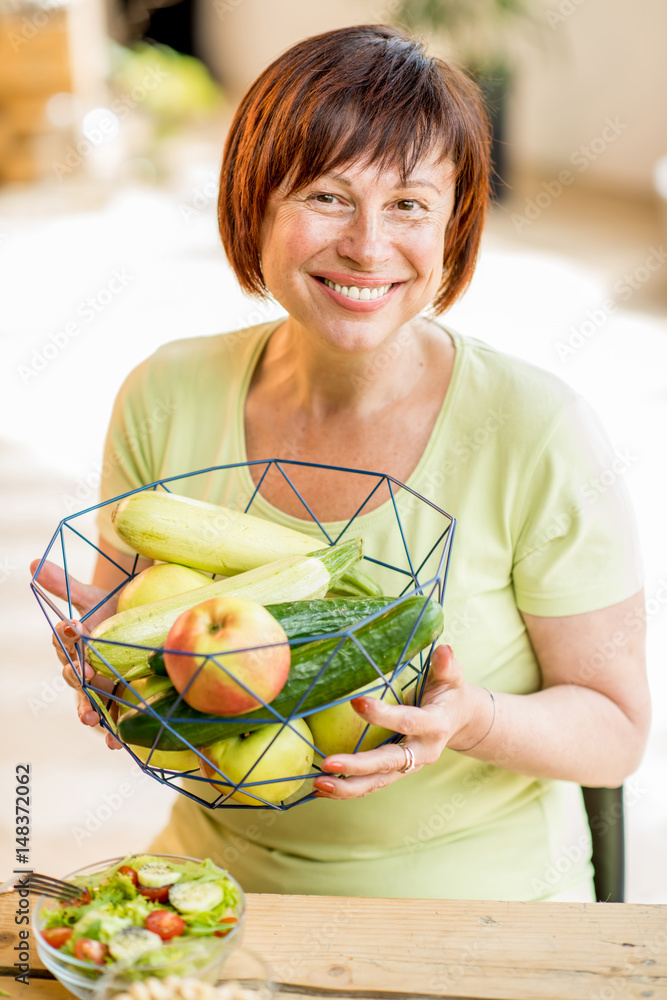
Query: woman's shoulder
[
  {"x": 219, "y": 358},
  {"x": 528, "y": 396},
  {"x": 195, "y": 351}
]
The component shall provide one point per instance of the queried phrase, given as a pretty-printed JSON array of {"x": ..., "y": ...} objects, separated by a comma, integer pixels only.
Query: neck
[{"x": 323, "y": 381}]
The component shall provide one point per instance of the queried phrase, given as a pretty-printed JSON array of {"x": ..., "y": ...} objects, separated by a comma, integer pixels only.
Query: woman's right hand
[{"x": 84, "y": 597}]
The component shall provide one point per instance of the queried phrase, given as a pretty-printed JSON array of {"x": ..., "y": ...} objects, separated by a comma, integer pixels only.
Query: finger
[
  {"x": 54, "y": 579},
  {"x": 353, "y": 787},
  {"x": 444, "y": 668},
  {"x": 86, "y": 712},
  {"x": 405, "y": 719},
  {"x": 72, "y": 676},
  {"x": 382, "y": 760},
  {"x": 66, "y": 635},
  {"x": 113, "y": 743}
]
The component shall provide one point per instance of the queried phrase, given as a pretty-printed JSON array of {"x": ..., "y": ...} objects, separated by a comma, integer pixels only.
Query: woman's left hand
[{"x": 448, "y": 708}]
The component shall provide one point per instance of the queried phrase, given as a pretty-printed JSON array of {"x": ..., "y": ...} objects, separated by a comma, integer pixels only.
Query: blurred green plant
[
  {"x": 480, "y": 32},
  {"x": 173, "y": 88}
]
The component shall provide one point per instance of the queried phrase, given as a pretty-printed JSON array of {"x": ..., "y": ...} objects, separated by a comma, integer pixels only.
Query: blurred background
[{"x": 113, "y": 115}]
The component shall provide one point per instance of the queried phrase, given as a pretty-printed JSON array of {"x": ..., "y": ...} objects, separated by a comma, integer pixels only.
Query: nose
[{"x": 364, "y": 241}]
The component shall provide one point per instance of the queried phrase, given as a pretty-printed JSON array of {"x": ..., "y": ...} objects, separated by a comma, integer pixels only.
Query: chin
[{"x": 357, "y": 335}]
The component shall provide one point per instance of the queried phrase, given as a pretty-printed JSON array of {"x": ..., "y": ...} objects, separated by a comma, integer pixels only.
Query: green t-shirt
[{"x": 543, "y": 526}]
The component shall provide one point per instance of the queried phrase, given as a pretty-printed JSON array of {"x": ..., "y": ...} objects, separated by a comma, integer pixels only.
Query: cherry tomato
[
  {"x": 56, "y": 936},
  {"x": 160, "y": 895},
  {"x": 89, "y": 950},
  {"x": 81, "y": 900},
  {"x": 130, "y": 872},
  {"x": 165, "y": 923},
  {"x": 229, "y": 921}
]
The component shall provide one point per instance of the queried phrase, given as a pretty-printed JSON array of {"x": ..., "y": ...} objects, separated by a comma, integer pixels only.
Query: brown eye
[
  {"x": 325, "y": 199},
  {"x": 406, "y": 205}
]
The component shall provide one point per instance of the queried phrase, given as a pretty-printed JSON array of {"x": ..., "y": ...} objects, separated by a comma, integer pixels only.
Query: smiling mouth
[{"x": 362, "y": 293}]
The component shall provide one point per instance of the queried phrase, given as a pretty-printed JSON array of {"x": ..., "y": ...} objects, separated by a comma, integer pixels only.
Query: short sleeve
[
  {"x": 135, "y": 441},
  {"x": 577, "y": 546}
]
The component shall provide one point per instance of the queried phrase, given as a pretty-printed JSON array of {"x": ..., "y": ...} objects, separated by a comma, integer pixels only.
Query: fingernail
[
  {"x": 327, "y": 786},
  {"x": 69, "y": 632},
  {"x": 359, "y": 703},
  {"x": 334, "y": 765}
]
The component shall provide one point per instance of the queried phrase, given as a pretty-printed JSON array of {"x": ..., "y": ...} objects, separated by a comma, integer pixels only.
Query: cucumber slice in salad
[
  {"x": 195, "y": 897},
  {"x": 132, "y": 943},
  {"x": 156, "y": 875}
]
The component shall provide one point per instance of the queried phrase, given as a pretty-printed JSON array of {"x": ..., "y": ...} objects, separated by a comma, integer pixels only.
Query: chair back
[{"x": 607, "y": 822}]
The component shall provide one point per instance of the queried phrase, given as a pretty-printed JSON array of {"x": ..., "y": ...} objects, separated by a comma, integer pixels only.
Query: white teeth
[{"x": 361, "y": 292}]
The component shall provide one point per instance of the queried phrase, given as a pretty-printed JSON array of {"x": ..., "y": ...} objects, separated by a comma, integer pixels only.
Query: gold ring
[{"x": 409, "y": 759}]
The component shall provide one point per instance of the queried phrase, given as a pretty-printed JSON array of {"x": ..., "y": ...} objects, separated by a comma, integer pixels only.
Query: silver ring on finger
[{"x": 409, "y": 759}]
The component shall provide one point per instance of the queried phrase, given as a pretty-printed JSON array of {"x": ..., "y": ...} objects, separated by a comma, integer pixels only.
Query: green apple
[
  {"x": 172, "y": 760},
  {"x": 286, "y": 754},
  {"x": 251, "y": 649},
  {"x": 339, "y": 729},
  {"x": 159, "y": 581}
]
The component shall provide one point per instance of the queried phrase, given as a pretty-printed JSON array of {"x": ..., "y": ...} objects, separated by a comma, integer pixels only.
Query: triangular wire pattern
[{"x": 403, "y": 676}]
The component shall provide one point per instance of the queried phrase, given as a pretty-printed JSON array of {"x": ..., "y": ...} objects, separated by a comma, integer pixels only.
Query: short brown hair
[{"x": 365, "y": 94}]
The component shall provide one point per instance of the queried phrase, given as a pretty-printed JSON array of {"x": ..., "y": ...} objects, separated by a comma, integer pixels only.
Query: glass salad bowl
[
  {"x": 199, "y": 957},
  {"x": 243, "y": 975}
]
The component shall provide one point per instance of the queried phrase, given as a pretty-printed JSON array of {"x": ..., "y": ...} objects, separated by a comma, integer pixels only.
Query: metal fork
[{"x": 45, "y": 885}]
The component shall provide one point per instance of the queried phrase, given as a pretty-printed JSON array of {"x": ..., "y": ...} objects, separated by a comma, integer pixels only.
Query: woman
[{"x": 353, "y": 189}]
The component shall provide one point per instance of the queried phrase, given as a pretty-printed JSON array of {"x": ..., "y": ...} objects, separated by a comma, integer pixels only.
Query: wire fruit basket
[{"x": 247, "y": 775}]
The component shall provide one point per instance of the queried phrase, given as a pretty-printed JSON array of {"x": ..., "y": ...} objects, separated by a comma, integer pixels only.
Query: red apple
[{"x": 256, "y": 653}]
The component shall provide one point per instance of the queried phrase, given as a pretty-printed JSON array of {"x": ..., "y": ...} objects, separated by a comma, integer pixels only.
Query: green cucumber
[
  {"x": 307, "y": 619},
  {"x": 384, "y": 639}
]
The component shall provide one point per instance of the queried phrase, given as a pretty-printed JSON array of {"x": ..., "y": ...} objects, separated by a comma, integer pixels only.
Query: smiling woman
[{"x": 353, "y": 189}]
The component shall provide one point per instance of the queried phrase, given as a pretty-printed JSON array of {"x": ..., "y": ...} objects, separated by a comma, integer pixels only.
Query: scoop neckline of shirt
[{"x": 288, "y": 520}]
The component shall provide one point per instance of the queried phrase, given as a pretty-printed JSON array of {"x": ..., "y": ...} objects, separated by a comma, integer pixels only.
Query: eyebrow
[{"x": 410, "y": 182}]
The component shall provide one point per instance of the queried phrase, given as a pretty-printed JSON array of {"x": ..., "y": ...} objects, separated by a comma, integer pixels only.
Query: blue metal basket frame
[{"x": 434, "y": 585}]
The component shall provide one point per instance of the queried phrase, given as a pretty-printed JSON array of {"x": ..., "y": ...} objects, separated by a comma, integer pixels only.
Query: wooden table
[{"x": 335, "y": 947}]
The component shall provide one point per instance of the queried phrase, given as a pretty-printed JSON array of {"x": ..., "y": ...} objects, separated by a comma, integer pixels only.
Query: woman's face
[{"x": 357, "y": 254}]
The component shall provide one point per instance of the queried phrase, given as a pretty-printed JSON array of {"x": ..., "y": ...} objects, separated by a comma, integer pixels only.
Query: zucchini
[
  {"x": 355, "y": 583},
  {"x": 208, "y": 537},
  {"x": 202, "y": 535},
  {"x": 384, "y": 638},
  {"x": 127, "y": 639}
]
